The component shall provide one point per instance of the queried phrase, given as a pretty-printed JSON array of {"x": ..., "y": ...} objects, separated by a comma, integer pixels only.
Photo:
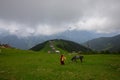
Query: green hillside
[
  {"x": 105, "y": 43},
  {"x": 28, "y": 65},
  {"x": 61, "y": 45}
]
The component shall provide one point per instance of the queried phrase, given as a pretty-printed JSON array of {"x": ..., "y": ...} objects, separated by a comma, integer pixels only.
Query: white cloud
[
  {"x": 96, "y": 24},
  {"x": 48, "y": 30},
  {"x": 90, "y": 24},
  {"x": 22, "y": 30}
]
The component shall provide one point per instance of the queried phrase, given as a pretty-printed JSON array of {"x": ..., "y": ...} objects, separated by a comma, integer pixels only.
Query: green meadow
[{"x": 28, "y": 65}]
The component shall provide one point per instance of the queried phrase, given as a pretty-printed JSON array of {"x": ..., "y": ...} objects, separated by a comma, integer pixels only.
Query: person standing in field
[{"x": 62, "y": 59}]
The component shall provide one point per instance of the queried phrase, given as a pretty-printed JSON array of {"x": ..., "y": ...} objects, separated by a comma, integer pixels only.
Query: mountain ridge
[
  {"x": 105, "y": 43},
  {"x": 60, "y": 44}
]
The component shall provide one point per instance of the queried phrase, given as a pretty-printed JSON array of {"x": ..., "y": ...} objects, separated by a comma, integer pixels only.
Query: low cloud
[
  {"x": 22, "y": 30},
  {"x": 96, "y": 24}
]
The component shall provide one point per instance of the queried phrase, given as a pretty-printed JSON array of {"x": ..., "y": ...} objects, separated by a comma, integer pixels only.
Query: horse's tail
[{"x": 81, "y": 58}]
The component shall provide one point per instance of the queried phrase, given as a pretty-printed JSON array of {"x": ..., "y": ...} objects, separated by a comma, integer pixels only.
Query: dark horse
[{"x": 74, "y": 58}]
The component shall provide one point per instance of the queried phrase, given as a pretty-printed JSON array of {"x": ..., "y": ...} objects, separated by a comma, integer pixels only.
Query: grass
[{"x": 28, "y": 65}]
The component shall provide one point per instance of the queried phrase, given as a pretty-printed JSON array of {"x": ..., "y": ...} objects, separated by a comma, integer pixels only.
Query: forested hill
[
  {"x": 105, "y": 43},
  {"x": 59, "y": 44}
]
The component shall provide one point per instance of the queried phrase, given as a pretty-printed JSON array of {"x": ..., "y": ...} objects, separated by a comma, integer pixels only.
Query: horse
[{"x": 74, "y": 58}]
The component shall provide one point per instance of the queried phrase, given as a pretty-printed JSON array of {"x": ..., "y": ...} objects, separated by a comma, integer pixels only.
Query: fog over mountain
[{"x": 77, "y": 20}]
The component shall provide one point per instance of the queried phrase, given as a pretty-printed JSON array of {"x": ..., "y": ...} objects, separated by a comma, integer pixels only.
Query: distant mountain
[
  {"x": 60, "y": 44},
  {"x": 105, "y": 43},
  {"x": 13, "y": 41},
  {"x": 22, "y": 43},
  {"x": 28, "y": 42}
]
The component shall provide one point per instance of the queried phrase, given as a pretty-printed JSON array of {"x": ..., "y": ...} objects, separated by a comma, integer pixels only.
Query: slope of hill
[
  {"x": 59, "y": 44},
  {"x": 105, "y": 43}
]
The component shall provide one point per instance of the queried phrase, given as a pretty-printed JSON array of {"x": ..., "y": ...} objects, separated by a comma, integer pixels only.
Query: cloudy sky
[{"x": 47, "y": 17}]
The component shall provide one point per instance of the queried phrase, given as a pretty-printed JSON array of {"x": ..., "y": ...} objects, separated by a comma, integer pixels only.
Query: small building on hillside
[{"x": 57, "y": 51}]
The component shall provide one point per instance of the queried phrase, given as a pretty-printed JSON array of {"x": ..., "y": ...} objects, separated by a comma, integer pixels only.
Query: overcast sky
[{"x": 47, "y": 17}]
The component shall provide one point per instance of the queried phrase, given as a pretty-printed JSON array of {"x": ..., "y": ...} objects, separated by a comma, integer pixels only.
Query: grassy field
[{"x": 27, "y": 65}]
